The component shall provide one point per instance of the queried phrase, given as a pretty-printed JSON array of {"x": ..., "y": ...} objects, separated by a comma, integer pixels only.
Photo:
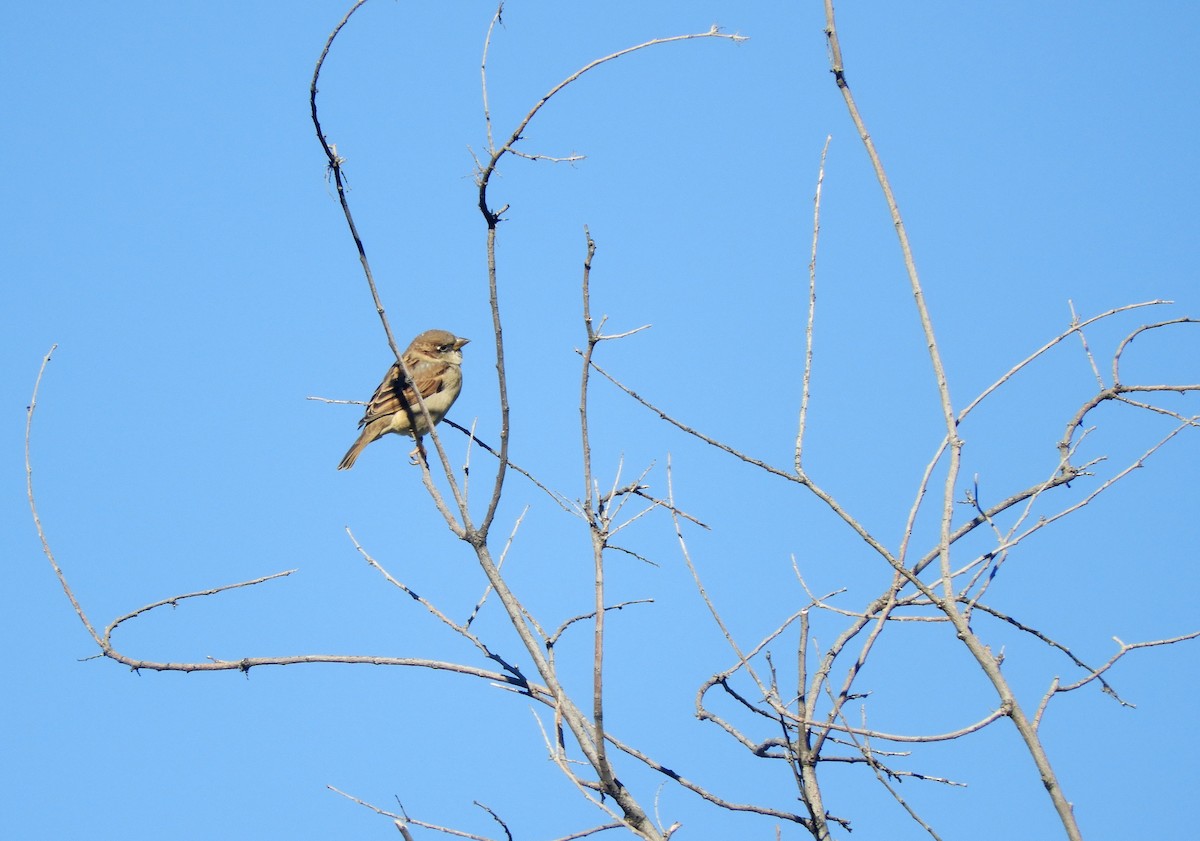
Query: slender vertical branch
[
  {"x": 803, "y": 757},
  {"x": 483, "y": 84},
  {"x": 812, "y": 309},
  {"x": 334, "y": 164},
  {"x": 501, "y": 384},
  {"x": 910, "y": 267},
  {"x": 595, "y": 513},
  {"x": 492, "y": 220},
  {"x": 37, "y": 520},
  {"x": 947, "y": 603}
]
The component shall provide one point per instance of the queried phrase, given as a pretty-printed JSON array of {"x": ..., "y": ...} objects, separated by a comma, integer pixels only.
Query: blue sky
[{"x": 168, "y": 224}]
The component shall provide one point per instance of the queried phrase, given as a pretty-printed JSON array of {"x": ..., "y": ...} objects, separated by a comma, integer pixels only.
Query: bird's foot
[{"x": 417, "y": 456}]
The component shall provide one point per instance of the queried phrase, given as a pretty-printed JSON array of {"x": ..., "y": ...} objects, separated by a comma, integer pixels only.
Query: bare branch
[
  {"x": 174, "y": 601},
  {"x": 812, "y": 310},
  {"x": 560, "y": 499},
  {"x": 1095, "y": 674},
  {"x": 1012, "y": 372},
  {"x": 483, "y": 84},
  {"x": 37, "y": 520},
  {"x": 565, "y": 159},
  {"x": 499, "y": 565},
  {"x": 1034, "y": 632},
  {"x": 701, "y": 791},
  {"x": 583, "y": 617},
  {"x": 334, "y": 165},
  {"x": 1116, "y": 362},
  {"x": 337, "y": 402},
  {"x": 1087, "y": 351},
  {"x": 496, "y": 818},
  {"x": 584, "y": 833},
  {"x": 486, "y": 173},
  {"x": 402, "y": 821},
  {"x": 804, "y": 480}
]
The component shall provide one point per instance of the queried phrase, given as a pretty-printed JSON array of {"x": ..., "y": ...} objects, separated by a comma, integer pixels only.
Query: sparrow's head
[{"x": 438, "y": 344}]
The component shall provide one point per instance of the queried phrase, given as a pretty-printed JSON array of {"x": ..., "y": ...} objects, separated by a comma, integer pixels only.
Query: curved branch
[
  {"x": 37, "y": 521},
  {"x": 175, "y": 600},
  {"x": 334, "y": 167},
  {"x": 1116, "y": 363},
  {"x": 486, "y": 172}
]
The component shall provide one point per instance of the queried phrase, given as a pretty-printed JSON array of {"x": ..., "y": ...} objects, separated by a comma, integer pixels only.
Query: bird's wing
[{"x": 393, "y": 395}]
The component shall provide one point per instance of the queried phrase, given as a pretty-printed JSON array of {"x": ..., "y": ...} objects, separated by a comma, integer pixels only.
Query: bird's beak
[{"x": 458, "y": 343}]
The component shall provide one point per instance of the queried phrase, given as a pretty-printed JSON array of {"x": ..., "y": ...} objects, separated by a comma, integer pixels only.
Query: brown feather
[
  {"x": 433, "y": 360},
  {"x": 392, "y": 396}
]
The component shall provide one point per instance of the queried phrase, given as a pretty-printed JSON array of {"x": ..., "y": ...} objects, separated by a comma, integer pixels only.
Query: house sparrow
[{"x": 432, "y": 359}]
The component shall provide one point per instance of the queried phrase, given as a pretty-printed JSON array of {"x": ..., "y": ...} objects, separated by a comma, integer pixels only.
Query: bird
[{"x": 433, "y": 359}]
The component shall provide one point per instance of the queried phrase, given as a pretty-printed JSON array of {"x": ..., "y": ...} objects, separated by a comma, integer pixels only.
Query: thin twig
[
  {"x": 812, "y": 309},
  {"x": 174, "y": 601},
  {"x": 334, "y": 164},
  {"x": 499, "y": 565},
  {"x": 561, "y": 499},
  {"x": 37, "y": 520},
  {"x": 583, "y": 617},
  {"x": 402, "y": 820},
  {"x": 599, "y": 524},
  {"x": 804, "y": 480}
]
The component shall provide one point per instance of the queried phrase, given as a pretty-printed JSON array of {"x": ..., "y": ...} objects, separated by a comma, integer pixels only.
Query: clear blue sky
[{"x": 168, "y": 224}]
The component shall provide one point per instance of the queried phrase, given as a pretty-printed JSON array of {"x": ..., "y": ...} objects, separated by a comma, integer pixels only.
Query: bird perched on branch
[{"x": 433, "y": 361}]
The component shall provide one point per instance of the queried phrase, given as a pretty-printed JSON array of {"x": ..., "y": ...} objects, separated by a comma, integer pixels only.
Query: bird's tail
[{"x": 355, "y": 450}]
